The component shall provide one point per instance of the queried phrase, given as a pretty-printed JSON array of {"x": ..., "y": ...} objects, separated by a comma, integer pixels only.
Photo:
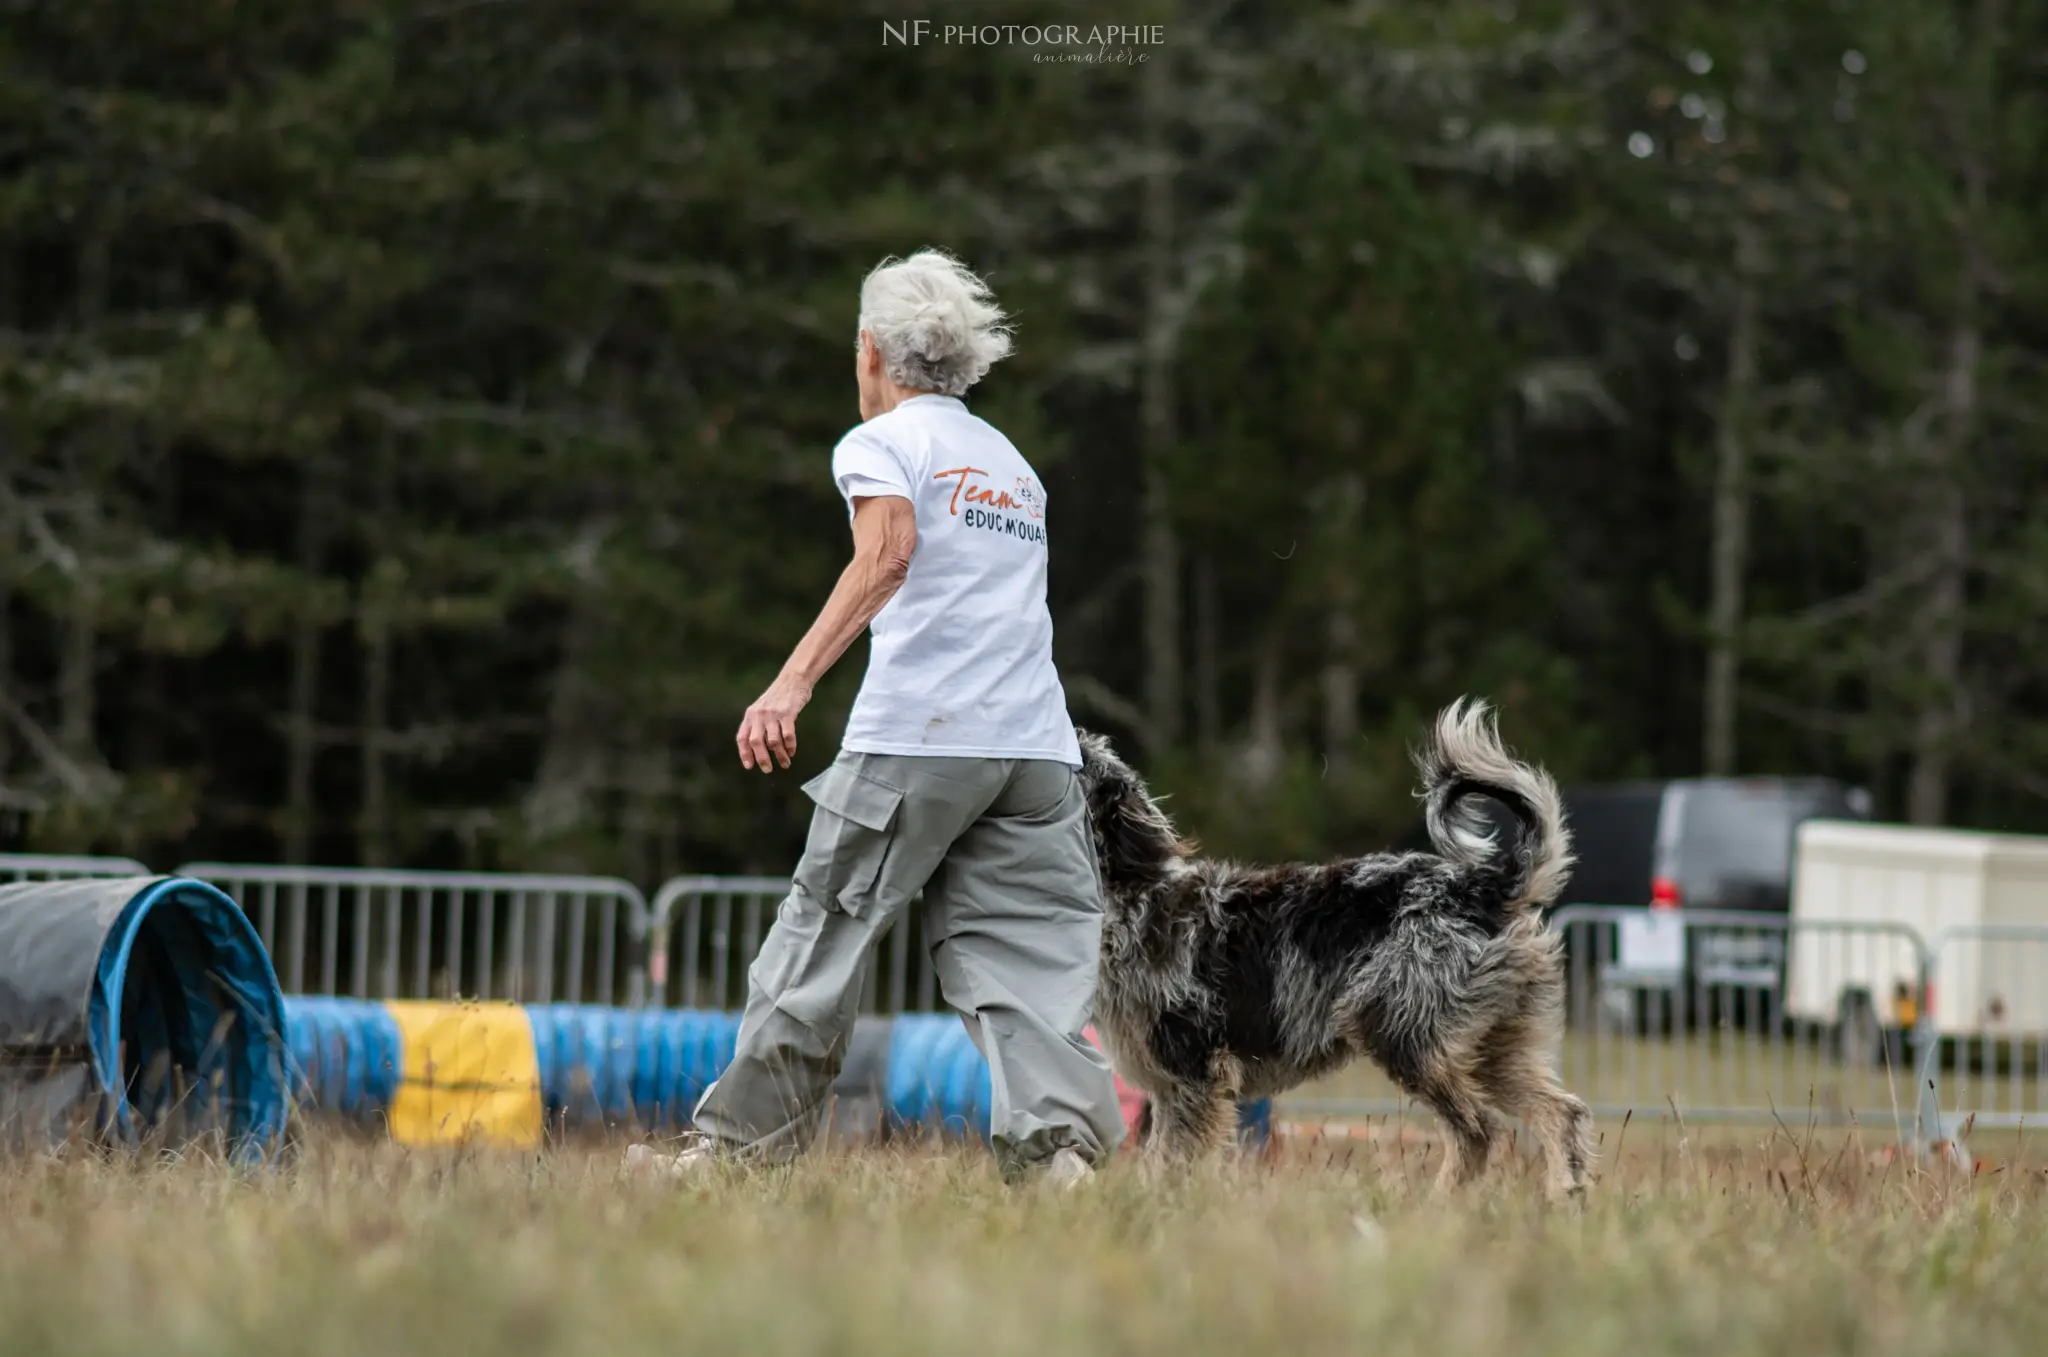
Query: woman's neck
[{"x": 891, "y": 395}]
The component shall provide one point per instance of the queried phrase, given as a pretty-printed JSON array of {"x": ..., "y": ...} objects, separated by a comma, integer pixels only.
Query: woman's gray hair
[{"x": 936, "y": 325}]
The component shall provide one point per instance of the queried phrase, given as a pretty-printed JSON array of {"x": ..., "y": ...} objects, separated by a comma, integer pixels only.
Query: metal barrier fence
[
  {"x": 1741, "y": 1017},
  {"x": 64, "y": 867},
  {"x": 374, "y": 934},
  {"x": 1985, "y": 1041},
  {"x": 706, "y": 930}
]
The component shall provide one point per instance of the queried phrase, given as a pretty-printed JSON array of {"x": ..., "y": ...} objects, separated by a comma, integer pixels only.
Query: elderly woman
[{"x": 957, "y": 774}]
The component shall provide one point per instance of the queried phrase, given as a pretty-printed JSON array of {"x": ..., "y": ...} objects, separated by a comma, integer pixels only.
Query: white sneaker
[
  {"x": 1068, "y": 1170},
  {"x": 697, "y": 1158}
]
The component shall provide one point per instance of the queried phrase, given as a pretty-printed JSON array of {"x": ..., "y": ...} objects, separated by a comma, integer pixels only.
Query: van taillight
[{"x": 1664, "y": 894}]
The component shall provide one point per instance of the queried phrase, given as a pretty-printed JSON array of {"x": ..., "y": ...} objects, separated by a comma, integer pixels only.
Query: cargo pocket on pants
[
  {"x": 786, "y": 953},
  {"x": 849, "y": 840}
]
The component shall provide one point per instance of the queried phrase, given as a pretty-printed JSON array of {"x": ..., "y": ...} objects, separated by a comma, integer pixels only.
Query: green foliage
[{"x": 414, "y": 420}]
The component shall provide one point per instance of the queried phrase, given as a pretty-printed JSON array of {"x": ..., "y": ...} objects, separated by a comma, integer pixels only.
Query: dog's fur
[{"x": 1221, "y": 982}]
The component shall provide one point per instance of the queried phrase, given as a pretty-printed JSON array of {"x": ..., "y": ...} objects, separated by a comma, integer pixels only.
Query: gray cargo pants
[{"x": 1013, "y": 916}]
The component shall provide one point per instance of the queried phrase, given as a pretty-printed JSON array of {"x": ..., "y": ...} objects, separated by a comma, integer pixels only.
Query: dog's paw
[{"x": 1571, "y": 1198}]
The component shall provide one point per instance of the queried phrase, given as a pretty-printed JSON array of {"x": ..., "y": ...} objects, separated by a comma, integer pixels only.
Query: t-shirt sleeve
[{"x": 866, "y": 464}]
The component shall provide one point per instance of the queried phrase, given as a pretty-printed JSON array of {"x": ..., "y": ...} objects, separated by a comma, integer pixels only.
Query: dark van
[
  {"x": 1697, "y": 843},
  {"x": 1693, "y": 845},
  {"x": 1700, "y": 843}
]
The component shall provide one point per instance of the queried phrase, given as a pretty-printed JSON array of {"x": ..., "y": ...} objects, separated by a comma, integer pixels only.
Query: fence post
[
  {"x": 656, "y": 967},
  {"x": 440, "y": 906},
  {"x": 1927, "y": 1128},
  {"x": 742, "y": 910},
  {"x": 1926, "y": 1063}
]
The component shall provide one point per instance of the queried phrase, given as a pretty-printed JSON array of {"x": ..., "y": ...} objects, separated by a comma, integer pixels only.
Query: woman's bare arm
[{"x": 884, "y": 539}]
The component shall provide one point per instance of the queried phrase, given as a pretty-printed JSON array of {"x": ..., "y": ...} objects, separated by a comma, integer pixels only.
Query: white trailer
[{"x": 1855, "y": 978}]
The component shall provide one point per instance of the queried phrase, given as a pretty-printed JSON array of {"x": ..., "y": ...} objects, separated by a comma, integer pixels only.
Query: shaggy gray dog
[{"x": 1221, "y": 982}]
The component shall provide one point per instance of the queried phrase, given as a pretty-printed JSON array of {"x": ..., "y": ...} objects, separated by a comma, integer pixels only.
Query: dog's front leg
[{"x": 1189, "y": 1121}]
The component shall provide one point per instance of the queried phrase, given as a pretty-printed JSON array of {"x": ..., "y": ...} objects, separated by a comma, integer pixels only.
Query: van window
[
  {"x": 1614, "y": 830},
  {"x": 1725, "y": 840}
]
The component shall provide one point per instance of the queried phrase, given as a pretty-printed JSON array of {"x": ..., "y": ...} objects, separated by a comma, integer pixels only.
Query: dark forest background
[{"x": 415, "y": 418}]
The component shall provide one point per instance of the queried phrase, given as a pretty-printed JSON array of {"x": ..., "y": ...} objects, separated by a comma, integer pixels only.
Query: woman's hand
[{"x": 768, "y": 730}]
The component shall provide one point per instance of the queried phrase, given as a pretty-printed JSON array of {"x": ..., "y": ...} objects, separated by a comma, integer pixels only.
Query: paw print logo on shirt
[{"x": 1031, "y": 497}]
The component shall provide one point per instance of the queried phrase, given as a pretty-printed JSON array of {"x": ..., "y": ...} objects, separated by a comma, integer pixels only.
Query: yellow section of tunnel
[{"x": 470, "y": 1075}]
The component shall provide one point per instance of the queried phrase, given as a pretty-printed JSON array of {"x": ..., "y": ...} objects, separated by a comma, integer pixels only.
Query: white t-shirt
[{"x": 961, "y": 658}]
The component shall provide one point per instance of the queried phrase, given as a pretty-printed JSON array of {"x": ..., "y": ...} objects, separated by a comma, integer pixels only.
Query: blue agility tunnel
[
  {"x": 137, "y": 1008},
  {"x": 601, "y": 1068},
  {"x": 596, "y": 1067},
  {"x": 346, "y": 1056},
  {"x": 608, "y": 1066},
  {"x": 936, "y": 1076}
]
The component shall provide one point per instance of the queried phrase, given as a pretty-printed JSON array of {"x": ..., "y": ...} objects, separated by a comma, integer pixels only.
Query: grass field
[{"x": 1733, "y": 1246}]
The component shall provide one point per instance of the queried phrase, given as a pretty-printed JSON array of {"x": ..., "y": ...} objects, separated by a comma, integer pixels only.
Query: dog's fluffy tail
[{"x": 1464, "y": 758}]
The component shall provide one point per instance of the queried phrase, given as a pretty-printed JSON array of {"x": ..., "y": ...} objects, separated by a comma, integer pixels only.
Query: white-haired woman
[{"x": 957, "y": 774}]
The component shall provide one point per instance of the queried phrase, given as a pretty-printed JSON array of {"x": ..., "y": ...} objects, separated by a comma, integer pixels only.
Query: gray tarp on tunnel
[{"x": 118, "y": 995}]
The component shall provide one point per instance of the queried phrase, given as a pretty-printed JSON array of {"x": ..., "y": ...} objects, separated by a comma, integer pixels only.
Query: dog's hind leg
[{"x": 1515, "y": 1077}]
